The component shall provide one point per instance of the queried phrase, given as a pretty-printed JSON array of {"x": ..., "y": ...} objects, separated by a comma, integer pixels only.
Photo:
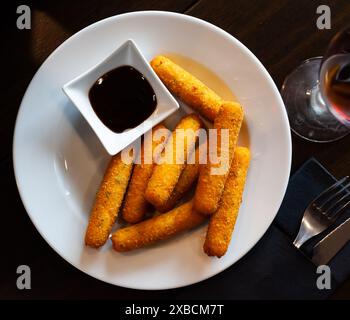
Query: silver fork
[{"x": 323, "y": 211}]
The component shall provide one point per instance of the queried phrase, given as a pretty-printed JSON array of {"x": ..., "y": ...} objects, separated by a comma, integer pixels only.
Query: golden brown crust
[
  {"x": 210, "y": 187},
  {"x": 187, "y": 178},
  {"x": 135, "y": 204},
  {"x": 166, "y": 175},
  {"x": 157, "y": 228},
  {"x": 187, "y": 87},
  {"x": 107, "y": 202},
  {"x": 222, "y": 222}
]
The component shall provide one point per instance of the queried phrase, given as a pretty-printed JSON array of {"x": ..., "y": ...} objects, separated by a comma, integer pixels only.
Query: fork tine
[
  {"x": 331, "y": 188},
  {"x": 335, "y": 204},
  {"x": 321, "y": 207},
  {"x": 340, "y": 211}
]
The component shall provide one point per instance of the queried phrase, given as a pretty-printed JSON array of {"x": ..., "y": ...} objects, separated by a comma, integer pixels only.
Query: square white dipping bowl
[{"x": 78, "y": 89}]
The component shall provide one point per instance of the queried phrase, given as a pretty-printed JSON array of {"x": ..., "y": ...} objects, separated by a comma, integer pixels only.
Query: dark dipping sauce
[{"x": 122, "y": 98}]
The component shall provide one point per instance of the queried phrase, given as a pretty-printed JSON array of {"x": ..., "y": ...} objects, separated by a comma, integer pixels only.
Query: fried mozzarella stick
[
  {"x": 222, "y": 222},
  {"x": 187, "y": 178},
  {"x": 187, "y": 87},
  {"x": 166, "y": 175},
  {"x": 157, "y": 228},
  {"x": 135, "y": 204},
  {"x": 107, "y": 202},
  {"x": 210, "y": 184}
]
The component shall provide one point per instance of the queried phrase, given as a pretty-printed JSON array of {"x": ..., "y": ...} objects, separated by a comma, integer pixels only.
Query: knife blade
[{"x": 331, "y": 244}]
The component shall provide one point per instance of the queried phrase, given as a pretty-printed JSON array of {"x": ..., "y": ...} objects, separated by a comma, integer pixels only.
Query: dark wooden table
[{"x": 281, "y": 33}]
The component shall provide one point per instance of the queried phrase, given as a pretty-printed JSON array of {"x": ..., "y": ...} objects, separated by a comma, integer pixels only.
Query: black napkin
[
  {"x": 306, "y": 184},
  {"x": 274, "y": 268}
]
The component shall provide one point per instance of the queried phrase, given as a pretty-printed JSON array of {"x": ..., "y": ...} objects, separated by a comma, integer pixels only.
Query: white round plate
[{"x": 59, "y": 161}]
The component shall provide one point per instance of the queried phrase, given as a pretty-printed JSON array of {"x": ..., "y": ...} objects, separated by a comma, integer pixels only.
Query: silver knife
[{"x": 331, "y": 244}]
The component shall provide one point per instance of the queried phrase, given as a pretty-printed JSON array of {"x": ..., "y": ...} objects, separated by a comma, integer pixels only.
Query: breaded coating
[
  {"x": 210, "y": 186},
  {"x": 157, "y": 228},
  {"x": 222, "y": 222},
  {"x": 135, "y": 204},
  {"x": 107, "y": 202},
  {"x": 166, "y": 175},
  {"x": 187, "y": 178},
  {"x": 187, "y": 87}
]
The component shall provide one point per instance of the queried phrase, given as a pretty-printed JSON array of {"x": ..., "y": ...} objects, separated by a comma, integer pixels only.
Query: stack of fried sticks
[{"x": 134, "y": 188}]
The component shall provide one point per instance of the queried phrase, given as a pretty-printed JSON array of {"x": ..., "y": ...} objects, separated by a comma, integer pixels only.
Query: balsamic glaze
[{"x": 122, "y": 98}]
